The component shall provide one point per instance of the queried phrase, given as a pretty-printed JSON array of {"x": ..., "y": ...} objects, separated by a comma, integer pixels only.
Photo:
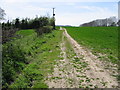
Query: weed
[
  {"x": 56, "y": 78},
  {"x": 81, "y": 81},
  {"x": 70, "y": 80}
]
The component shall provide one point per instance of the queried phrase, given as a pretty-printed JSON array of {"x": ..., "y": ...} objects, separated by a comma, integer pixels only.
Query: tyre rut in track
[{"x": 83, "y": 70}]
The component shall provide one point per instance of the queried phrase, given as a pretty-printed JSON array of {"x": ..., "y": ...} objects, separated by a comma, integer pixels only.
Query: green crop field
[{"x": 102, "y": 40}]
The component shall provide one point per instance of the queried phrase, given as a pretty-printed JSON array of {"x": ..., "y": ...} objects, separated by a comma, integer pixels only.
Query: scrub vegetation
[{"x": 28, "y": 59}]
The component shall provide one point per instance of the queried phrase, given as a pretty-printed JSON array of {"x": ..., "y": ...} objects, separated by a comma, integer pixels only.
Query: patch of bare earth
[{"x": 83, "y": 70}]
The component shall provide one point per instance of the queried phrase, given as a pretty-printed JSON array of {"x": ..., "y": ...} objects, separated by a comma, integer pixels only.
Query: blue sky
[{"x": 68, "y": 12}]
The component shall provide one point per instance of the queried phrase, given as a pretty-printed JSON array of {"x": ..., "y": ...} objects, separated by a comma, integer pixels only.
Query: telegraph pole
[
  {"x": 53, "y": 19},
  {"x": 118, "y": 10},
  {"x": 119, "y": 14}
]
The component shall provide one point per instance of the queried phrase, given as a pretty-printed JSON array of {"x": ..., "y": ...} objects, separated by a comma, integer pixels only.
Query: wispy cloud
[
  {"x": 71, "y": 3},
  {"x": 79, "y": 18},
  {"x": 93, "y": 8}
]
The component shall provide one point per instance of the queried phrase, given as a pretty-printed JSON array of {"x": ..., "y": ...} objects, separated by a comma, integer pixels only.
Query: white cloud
[
  {"x": 71, "y": 3},
  {"x": 93, "y": 13},
  {"x": 79, "y": 18},
  {"x": 23, "y": 9},
  {"x": 14, "y": 8},
  {"x": 93, "y": 8}
]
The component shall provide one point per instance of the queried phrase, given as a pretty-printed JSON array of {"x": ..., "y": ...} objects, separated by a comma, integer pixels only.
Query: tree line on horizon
[
  {"x": 38, "y": 23},
  {"x": 42, "y": 24},
  {"x": 13, "y": 57}
]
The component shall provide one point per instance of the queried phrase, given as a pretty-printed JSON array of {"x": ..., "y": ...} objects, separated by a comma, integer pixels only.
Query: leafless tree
[{"x": 2, "y": 14}]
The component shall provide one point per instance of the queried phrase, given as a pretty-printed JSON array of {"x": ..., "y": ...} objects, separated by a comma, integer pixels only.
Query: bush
[
  {"x": 13, "y": 61},
  {"x": 47, "y": 29},
  {"x": 44, "y": 29},
  {"x": 7, "y": 34},
  {"x": 39, "y": 31}
]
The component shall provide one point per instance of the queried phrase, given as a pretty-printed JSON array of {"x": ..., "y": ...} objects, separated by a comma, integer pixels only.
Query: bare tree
[{"x": 2, "y": 14}]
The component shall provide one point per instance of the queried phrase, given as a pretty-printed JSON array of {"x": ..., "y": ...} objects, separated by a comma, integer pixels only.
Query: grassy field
[
  {"x": 102, "y": 40},
  {"x": 35, "y": 57},
  {"x": 41, "y": 54}
]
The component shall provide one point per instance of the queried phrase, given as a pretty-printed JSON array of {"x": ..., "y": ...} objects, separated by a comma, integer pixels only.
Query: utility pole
[
  {"x": 53, "y": 19},
  {"x": 118, "y": 10},
  {"x": 119, "y": 14}
]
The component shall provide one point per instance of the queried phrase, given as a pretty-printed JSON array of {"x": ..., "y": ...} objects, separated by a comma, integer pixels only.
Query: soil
[{"x": 87, "y": 72}]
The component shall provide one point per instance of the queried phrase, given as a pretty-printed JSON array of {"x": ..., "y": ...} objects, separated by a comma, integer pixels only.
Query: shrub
[
  {"x": 44, "y": 29},
  {"x": 39, "y": 31},
  {"x": 7, "y": 34},
  {"x": 13, "y": 61},
  {"x": 47, "y": 29}
]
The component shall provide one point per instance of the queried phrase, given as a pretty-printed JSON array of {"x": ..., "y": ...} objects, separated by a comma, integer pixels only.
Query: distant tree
[
  {"x": 36, "y": 24},
  {"x": 17, "y": 23},
  {"x": 3, "y": 25},
  {"x": 9, "y": 24},
  {"x": 26, "y": 23},
  {"x": 118, "y": 23},
  {"x": 43, "y": 21},
  {"x": 22, "y": 26},
  {"x": 113, "y": 24}
]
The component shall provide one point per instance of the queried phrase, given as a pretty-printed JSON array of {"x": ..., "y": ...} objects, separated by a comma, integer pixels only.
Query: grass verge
[{"x": 41, "y": 54}]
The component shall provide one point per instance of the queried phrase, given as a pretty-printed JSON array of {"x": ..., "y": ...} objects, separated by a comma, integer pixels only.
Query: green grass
[
  {"x": 102, "y": 40},
  {"x": 25, "y": 32},
  {"x": 42, "y": 53}
]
